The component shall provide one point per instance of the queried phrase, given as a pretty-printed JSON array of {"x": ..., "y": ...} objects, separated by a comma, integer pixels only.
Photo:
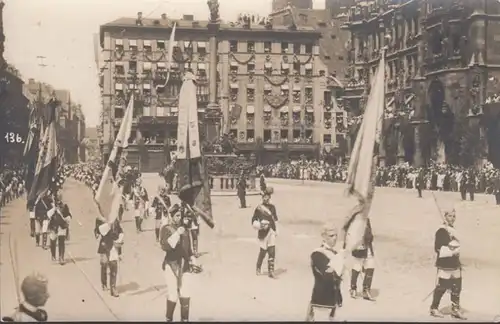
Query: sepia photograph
[{"x": 264, "y": 160}]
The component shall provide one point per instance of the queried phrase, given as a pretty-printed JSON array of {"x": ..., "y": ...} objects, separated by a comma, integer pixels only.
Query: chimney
[
  {"x": 164, "y": 16},
  {"x": 188, "y": 17},
  {"x": 138, "y": 21}
]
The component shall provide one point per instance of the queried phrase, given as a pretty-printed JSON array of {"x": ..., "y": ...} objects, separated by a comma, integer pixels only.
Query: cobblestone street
[{"x": 228, "y": 289}]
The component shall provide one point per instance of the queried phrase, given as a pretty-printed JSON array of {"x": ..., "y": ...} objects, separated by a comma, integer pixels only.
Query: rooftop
[{"x": 198, "y": 24}]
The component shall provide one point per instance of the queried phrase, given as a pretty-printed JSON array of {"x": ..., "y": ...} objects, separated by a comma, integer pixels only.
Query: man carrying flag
[
  {"x": 360, "y": 183},
  {"x": 194, "y": 192},
  {"x": 108, "y": 199}
]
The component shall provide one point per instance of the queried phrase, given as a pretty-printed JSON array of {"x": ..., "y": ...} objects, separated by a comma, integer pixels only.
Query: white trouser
[
  {"x": 358, "y": 264},
  {"x": 177, "y": 288},
  {"x": 269, "y": 240},
  {"x": 41, "y": 227},
  {"x": 449, "y": 274}
]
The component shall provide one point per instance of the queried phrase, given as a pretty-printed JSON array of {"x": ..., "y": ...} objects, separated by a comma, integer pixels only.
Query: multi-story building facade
[
  {"x": 441, "y": 65},
  {"x": 271, "y": 83},
  {"x": 70, "y": 119}
]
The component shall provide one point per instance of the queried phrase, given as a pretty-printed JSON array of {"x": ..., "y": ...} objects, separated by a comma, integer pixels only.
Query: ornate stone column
[{"x": 213, "y": 112}]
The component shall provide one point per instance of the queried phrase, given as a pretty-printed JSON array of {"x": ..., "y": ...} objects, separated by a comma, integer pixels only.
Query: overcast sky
[{"x": 62, "y": 31}]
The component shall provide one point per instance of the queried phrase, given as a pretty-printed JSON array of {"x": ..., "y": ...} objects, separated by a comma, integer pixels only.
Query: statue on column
[{"x": 213, "y": 6}]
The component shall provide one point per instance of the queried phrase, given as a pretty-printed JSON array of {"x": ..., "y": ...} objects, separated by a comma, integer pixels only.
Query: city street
[{"x": 228, "y": 289}]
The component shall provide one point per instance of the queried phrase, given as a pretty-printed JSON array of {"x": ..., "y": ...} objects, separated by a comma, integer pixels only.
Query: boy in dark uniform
[
  {"x": 327, "y": 267},
  {"x": 264, "y": 220},
  {"x": 59, "y": 218},
  {"x": 111, "y": 241},
  {"x": 447, "y": 248},
  {"x": 179, "y": 262},
  {"x": 160, "y": 204},
  {"x": 363, "y": 261}
]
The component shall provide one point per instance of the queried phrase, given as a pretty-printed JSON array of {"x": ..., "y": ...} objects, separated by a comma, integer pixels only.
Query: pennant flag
[
  {"x": 361, "y": 171},
  {"x": 194, "y": 188},
  {"x": 46, "y": 167},
  {"x": 170, "y": 56},
  {"x": 108, "y": 190},
  {"x": 31, "y": 147}
]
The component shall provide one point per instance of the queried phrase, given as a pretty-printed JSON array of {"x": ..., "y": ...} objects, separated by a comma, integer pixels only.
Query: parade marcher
[
  {"x": 179, "y": 263},
  {"x": 140, "y": 196},
  {"x": 419, "y": 182},
  {"x": 34, "y": 289},
  {"x": 463, "y": 185},
  {"x": 471, "y": 183},
  {"x": 327, "y": 268},
  {"x": 363, "y": 261},
  {"x": 262, "y": 183},
  {"x": 264, "y": 220},
  {"x": 42, "y": 206},
  {"x": 31, "y": 213},
  {"x": 110, "y": 248},
  {"x": 161, "y": 203},
  {"x": 449, "y": 267},
  {"x": 194, "y": 229},
  {"x": 242, "y": 190},
  {"x": 59, "y": 218}
]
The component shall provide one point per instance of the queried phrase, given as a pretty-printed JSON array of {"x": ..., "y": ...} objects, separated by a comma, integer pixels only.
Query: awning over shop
[
  {"x": 296, "y": 109},
  {"x": 174, "y": 109},
  {"x": 118, "y": 86},
  {"x": 160, "y": 65},
  {"x": 267, "y": 108},
  {"x": 201, "y": 66},
  {"x": 202, "y": 45},
  {"x": 284, "y": 87},
  {"x": 146, "y": 66},
  {"x": 233, "y": 63},
  {"x": 146, "y": 86},
  {"x": 309, "y": 66},
  {"x": 118, "y": 41},
  {"x": 296, "y": 87},
  {"x": 309, "y": 108},
  {"x": 233, "y": 85},
  {"x": 146, "y": 43},
  {"x": 268, "y": 65},
  {"x": 132, "y": 42},
  {"x": 250, "y": 86},
  {"x": 267, "y": 87},
  {"x": 119, "y": 63},
  {"x": 250, "y": 109},
  {"x": 284, "y": 109}
]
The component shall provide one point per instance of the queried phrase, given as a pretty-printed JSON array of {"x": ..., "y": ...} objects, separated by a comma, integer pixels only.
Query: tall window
[{"x": 233, "y": 46}]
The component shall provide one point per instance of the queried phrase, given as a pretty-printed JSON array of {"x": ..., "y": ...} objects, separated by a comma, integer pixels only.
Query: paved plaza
[{"x": 228, "y": 289}]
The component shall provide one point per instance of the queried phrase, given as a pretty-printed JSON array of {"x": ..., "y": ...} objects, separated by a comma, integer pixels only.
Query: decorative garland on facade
[
  {"x": 252, "y": 57},
  {"x": 276, "y": 84},
  {"x": 275, "y": 103},
  {"x": 162, "y": 56},
  {"x": 119, "y": 55},
  {"x": 296, "y": 59},
  {"x": 182, "y": 59}
]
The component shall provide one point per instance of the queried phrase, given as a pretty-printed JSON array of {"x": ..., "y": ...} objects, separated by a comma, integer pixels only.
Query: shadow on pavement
[
  {"x": 131, "y": 286},
  {"x": 148, "y": 290},
  {"x": 278, "y": 272},
  {"x": 82, "y": 259},
  {"x": 374, "y": 292}
]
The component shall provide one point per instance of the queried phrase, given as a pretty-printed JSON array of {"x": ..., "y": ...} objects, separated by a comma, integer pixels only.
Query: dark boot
[
  {"x": 170, "y": 310},
  {"x": 113, "y": 274},
  {"x": 104, "y": 276},
  {"x": 53, "y": 245},
  {"x": 157, "y": 234},
  {"x": 270, "y": 261},
  {"x": 37, "y": 239},
  {"x": 32, "y": 227},
  {"x": 184, "y": 301},
  {"x": 44, "y": 240},
  {"x": 367, "y": 284},
  {"x": 61, "y": 240},
  {"x": 439, "y": 291},
  {"x": 260, "y": 259},
  {"x": 354, "y": 284}
]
